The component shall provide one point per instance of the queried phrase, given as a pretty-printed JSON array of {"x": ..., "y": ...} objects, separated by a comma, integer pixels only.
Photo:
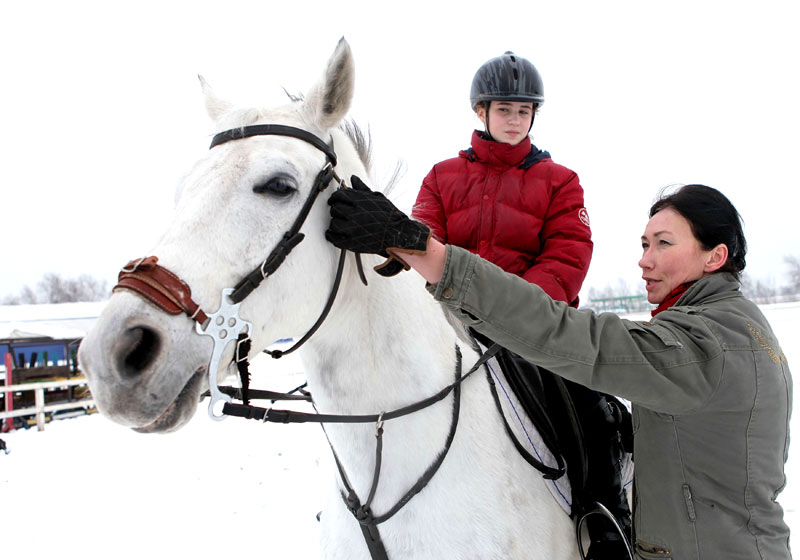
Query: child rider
[{"x": 509, "y": 202}]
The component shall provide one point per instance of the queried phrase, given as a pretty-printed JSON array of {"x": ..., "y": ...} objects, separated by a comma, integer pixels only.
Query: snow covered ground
[{"x": 86, "y": 488}]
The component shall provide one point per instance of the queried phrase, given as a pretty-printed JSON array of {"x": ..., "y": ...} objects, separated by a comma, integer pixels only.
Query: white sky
[{"x": 101, "y": 111}]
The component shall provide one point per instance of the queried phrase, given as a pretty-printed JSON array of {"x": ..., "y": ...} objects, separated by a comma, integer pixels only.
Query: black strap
[
  {"x": 292, "y": 237},
  {"x": 363, "y": 513},
  {"x": 289, "y": 241},
  {"x": 547, "y": 471},
  {"x": 277, "y": 130},
  {"x": 331, "y": 298},
  {"x": 259, "y": 394},
  {"x": 243, "y": 365},
  {"x": 296, "y": 417}
]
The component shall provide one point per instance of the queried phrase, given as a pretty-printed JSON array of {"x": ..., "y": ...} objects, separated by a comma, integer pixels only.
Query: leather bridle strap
[
  {"x": 281, "y": 416},
  {"x": 161, "y": 287},
  {"x": 288, "y": 242},
  {"x": 292, "y": 237},
  {"x": 337, "y": 281},
  {"x": 276, "y": 130}
]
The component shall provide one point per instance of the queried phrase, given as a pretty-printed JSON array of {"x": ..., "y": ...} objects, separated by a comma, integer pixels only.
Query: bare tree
[
  {"x": 793, "y": 263},
  {"x": 760, "y": 291},
  {"x": 26, "y": 295},
  {"x": 54, "y": 288}
]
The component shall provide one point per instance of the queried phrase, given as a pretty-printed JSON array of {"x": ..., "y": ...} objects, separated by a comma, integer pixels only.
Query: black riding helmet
[{"x": 507, "y": 78}]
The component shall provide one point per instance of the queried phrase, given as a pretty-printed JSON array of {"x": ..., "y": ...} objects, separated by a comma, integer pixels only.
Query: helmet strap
[{"x": 486, "y": 132}]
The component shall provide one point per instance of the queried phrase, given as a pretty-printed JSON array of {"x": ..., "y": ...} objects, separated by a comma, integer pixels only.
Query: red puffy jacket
[{"x": 515, "y": 207}]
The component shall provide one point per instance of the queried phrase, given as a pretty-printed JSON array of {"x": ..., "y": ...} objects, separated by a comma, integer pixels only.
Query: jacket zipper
[{"x": 647, "y": 550}]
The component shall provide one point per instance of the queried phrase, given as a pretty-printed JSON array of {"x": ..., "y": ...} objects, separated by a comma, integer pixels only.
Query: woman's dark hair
[{"x": 713, "y": 220}]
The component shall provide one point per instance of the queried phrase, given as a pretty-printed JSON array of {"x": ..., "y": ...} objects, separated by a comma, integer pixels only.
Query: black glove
[{"x": 364, "y": 221}]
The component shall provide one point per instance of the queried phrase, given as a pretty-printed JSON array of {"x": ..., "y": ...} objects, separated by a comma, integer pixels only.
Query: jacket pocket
[
  {"x": 648, "y": 551},
  {"x": 653, "y": 338}
]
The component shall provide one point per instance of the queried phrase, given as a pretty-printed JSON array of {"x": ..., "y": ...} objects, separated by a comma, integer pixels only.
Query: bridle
[{"x": 169, "y": 293}]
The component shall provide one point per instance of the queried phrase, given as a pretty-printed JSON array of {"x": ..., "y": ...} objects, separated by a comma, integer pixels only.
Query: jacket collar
[
  {"x": 672, "y": 298},
  {"x": 523, "y": 155},
  {"x": 717, "y": 286}
]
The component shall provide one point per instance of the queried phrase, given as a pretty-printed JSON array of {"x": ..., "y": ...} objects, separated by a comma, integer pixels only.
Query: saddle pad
[{"x": 528, "y": 435}]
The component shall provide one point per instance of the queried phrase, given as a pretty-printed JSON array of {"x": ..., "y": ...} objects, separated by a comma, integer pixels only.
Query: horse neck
[{"x": 383, "y": 345}]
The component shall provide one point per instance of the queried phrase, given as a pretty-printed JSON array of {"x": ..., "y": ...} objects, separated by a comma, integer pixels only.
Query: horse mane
[{"x": 361, "y": 140}]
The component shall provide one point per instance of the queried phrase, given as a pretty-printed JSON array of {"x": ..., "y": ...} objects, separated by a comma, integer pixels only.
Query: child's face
[{"x": 509, "y": 121}]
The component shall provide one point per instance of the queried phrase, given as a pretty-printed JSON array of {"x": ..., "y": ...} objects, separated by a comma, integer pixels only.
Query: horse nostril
[{"x": 138, "y": 349}]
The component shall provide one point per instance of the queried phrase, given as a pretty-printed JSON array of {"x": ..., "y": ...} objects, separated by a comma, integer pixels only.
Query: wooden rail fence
[{"x": 41, "y": 408}]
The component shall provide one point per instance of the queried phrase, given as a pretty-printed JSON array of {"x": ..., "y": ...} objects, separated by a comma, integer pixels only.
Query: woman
[{"x": 710, "y": 386}]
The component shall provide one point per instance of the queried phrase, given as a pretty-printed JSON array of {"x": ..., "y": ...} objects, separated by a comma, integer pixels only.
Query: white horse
[{"x": 382, "y": 347}]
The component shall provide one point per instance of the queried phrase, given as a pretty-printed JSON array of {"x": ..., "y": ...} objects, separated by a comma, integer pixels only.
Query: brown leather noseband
[{"x": 160, "y": 287}]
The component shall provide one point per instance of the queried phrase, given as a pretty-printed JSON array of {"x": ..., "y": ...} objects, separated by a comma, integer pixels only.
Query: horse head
[{"x": 147, "y": 368}]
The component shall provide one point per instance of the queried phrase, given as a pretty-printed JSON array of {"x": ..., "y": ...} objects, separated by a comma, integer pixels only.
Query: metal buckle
[
  {"x": 379, "y": 425},
  {"x": 339, "y": 181},
  {"x": 134, "y": 267},
  {"x": 237, "y": 355}
]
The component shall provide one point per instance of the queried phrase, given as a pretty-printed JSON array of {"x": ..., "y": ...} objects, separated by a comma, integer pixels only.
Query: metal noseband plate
[{"x": 224, "y": 326}]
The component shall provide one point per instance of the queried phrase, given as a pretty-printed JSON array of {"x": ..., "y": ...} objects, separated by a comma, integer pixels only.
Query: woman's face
[
  {"x": 509, "y": 121},
  {"x": 671, "y": 255}
]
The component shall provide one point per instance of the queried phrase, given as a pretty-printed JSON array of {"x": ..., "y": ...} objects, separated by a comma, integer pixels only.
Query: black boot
[
  {"x": 610, "y": 540},
  {"x": 604, "y": 443}
]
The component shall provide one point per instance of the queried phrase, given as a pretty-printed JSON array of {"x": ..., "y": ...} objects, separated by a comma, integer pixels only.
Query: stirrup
[{"x": 601, "y": 510}]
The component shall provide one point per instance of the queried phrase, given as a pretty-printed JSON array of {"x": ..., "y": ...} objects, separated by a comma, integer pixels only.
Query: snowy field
[{"x": 86, "y": 488}]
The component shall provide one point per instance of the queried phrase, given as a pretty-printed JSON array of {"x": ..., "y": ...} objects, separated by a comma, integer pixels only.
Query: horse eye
[{"x": 276, "y": 186}]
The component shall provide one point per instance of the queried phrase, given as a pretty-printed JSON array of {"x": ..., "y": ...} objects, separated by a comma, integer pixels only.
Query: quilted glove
[{"x": 365, "y": 221}]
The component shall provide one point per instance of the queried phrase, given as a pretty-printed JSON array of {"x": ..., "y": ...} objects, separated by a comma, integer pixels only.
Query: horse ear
[
  {"x": 215, "y": 107},
  {"x": 329, "y": 100}
]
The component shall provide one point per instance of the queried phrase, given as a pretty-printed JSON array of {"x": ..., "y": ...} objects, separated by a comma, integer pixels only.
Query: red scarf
[{"x": 672, "y": 298}]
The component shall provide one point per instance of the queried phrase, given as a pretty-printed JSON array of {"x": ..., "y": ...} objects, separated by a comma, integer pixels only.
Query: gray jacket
[{"x": 711, "y": 393}]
